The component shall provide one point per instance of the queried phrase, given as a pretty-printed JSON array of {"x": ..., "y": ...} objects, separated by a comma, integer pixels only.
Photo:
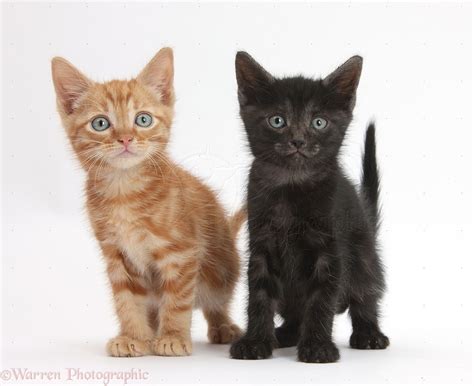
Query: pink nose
[{"x": 125, "y": 140}]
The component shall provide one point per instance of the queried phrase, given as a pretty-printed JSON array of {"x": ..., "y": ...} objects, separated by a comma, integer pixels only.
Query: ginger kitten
[{"x": 167, "y": 242}]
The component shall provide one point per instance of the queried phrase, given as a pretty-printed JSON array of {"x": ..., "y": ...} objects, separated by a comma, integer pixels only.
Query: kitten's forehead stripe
[
  {"x": 109, "y": 95},
  {"x": 128, "y": 96},
  {"x": 119, "y": 103},
  {"x": 103, "y": 104}
]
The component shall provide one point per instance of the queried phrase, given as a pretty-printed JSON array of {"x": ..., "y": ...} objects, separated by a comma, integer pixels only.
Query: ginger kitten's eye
[
  {"x": 277, "y": 122},
  {"x": 144, "y": 120},
  {"x": 100, "y": 124},
  {"x": 319, "y": 123}
]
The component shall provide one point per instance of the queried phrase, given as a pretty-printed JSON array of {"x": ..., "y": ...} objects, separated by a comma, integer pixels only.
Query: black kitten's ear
[
  {"x": 252, "y": 78},
  {"x": 345, "y": 79}
]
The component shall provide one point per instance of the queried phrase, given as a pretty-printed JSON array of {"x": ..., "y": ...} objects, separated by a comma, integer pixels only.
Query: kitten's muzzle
[
  {"x": 297, "y": 143},
  {"x": 125, "y": 140},
  {"x": 297, "y": 147},
  {"x": 304, "y": 152}
]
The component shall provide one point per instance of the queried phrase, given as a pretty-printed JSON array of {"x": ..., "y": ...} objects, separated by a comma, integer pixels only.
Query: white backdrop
[{"x": 416, "y": 83}]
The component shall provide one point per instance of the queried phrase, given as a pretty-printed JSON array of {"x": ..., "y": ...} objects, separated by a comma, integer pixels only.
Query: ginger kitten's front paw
[
  {"x": 225, "y": 333},
  {"x": 123, "y": 346},
  {"x": 172, "y": 346}
]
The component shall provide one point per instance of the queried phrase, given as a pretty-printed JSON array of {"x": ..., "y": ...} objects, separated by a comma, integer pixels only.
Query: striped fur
[{"x": 167, "y": 243}]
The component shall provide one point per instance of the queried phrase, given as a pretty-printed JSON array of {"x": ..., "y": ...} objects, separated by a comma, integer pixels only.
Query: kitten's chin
[
  {"x": 296, "y": 163},
  {"x": 285, "y": 173},
  {"x": 126, "y": 161},
  {"x": 296, "y": 160}
]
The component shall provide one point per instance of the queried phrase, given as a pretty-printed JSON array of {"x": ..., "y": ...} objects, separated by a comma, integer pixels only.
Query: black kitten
[{"x": 312, "y": 236}]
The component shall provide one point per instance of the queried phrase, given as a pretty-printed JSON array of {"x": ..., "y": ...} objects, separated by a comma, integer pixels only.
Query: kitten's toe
[
  {"x": 225, "y": 333},
  {"x": 246, "y": 348},
  {"x": 312, "y": 352},
  {"x": 172, "y": 346},
  {"x": 123, "y": 346},
  {"x": 369, "y": 341}
]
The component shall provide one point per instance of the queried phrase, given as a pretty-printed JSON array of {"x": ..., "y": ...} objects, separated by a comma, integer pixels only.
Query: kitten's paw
[
  {"x": 286, "y": 337},
  {"x": 123, "y": 346},
  {"x": 312, "y": 352},
  {"x": 223, "y": 334},
  {"x": 172, "y": 346},
  {"x": 246, "y": 348},
  {"x": 369, "y": 341}
]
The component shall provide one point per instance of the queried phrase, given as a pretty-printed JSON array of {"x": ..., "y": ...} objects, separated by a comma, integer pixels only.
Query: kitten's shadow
[
  {"x": 204, "y": 347},
  {"x": 288, "y": 353},
  {"x": 222, "y": 350},
  {"x": 201, "y": 348}
]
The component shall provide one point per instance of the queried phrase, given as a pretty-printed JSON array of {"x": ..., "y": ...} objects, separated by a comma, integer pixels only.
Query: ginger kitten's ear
[
  {"x": 70, "y": 84},
  {"x": 345, "y": 79},
  {"x": 158, "y": 76},
  {"x": 252, "y": 78}
]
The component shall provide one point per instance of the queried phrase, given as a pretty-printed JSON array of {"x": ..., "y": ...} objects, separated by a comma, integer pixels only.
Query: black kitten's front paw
[
  {"x": 312, "y": 352},
  {"x": 246, "y": 348},
  {"x": 366, "y": 341}
]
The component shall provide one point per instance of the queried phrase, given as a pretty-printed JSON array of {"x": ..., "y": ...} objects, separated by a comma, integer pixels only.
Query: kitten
[
  {"x": 312, "y": 237},
  {"x": 165, "y": 238}
]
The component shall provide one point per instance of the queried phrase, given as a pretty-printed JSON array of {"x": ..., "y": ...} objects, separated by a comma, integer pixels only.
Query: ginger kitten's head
[{"x": 118, "y": 123}]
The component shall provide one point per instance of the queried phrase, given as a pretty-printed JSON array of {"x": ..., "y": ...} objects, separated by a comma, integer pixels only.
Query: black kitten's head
[{"x": 296, "y": 123}]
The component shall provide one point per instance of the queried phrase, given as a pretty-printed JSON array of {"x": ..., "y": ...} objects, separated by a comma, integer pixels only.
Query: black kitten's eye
[
  {"x": 144, "y": 120},
  {"x": 319, "y": 123},
  {"x": 100, "y": 124},
  {"x": 277, "y": 122}
]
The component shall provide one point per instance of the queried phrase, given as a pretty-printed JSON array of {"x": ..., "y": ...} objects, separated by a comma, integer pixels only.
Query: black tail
[{"x": 370, "y": 175}]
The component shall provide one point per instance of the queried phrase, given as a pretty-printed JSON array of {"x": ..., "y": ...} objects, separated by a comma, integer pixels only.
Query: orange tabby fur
[{"x": 166, "y": 240}]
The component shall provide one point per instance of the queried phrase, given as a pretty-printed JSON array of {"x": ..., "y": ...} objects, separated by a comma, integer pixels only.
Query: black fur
[{"x": 312, "y": 236}]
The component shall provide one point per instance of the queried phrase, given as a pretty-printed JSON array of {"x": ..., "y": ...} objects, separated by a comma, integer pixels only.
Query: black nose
[{"x": 297, "y": 143}]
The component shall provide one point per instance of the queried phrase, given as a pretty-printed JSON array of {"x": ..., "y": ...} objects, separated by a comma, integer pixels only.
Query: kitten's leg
[
  {"x": 130, "y": 304},
  {"x": 315, "y": 343},
  {"x": 176, "y": 306},
  {"x": 221, "y": 329},
  {"x": 366, "y": 331},
  {"x": 218, "y": 276},
  {"x": 366, "y": 290},
  {"x": 259, "y": 340}
]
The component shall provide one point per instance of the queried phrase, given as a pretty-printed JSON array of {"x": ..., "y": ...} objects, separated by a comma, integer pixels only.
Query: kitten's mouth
[
  {"x": 297, "y": 154},
  {"x": 302, "y": 154},
  {"x": 125, "y": 153}
]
